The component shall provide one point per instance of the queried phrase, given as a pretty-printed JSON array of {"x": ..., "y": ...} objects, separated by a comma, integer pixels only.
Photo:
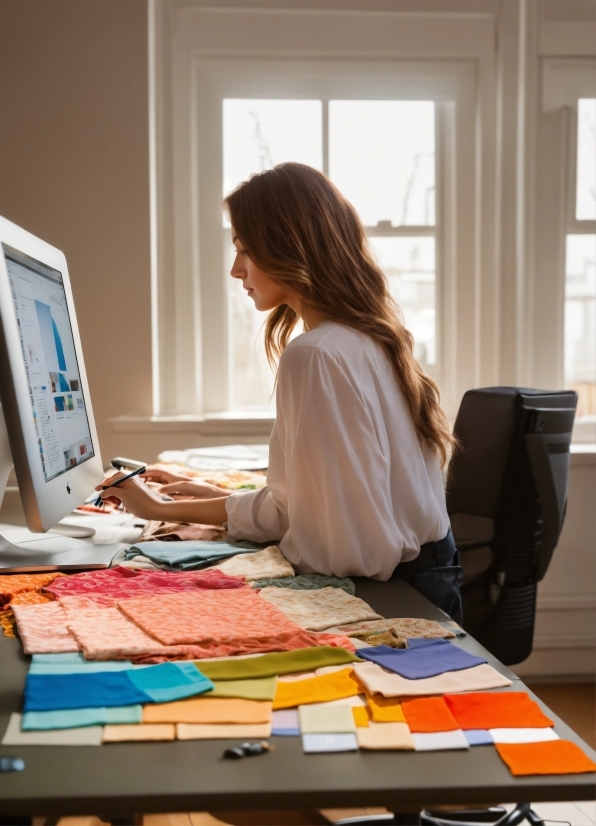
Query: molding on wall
[
  {"x": 567, "y": 641},
  {"x": 566, "y": 602}
]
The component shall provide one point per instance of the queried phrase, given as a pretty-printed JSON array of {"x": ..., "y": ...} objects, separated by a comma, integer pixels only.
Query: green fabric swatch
[
  {"x": 261, "y": 689},
  {"x": 269, "y": 665},
  {"x": 308, "y": 582},
  {"x": 77, "y": 717}
]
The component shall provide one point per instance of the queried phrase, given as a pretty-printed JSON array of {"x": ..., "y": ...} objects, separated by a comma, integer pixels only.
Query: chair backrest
[{"x": 506, "y": 498}]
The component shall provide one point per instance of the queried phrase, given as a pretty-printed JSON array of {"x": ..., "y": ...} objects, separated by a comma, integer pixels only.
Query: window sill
[{"x": 216, "y": 424}]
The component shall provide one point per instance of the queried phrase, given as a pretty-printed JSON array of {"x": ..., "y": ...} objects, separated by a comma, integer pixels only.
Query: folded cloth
[
  {"x": 323, "y": 719},
  {"x": 385, "y": 736},
  {"x": 286, "y": 723},
  {"x": 73, "y": 664},
  {"x": 77, "y": 717},
  {"x": 270, "y": 665},
  {"x": 209, "y": 710},
  {"x": 85, "y": 736},
  {"x": 130, "y": 734},
  {"x": 428, "y": 714},
  {"x": 15, "y": 584},
  {"x": 322, "y": 743},
  {"x": 261, "y": 689},
  {"x": 231, "y": 622},
  {"x": 380, "y": 637},
  {"x": 107, "y": 585},
  {"x": 522, "y": 735},
  {"x": 485, "y": 710},
  {"x": 378, "y": 681},
  {"x": 270, "y": 562},
  {"x": 308, "y": 582},
  {"x": 386, "y": 710},
  {"x": 189, "y": 555},
  {"x": 440, "y": 741},
  {"x": 319, "y": 610},
  {"x": 182, "y": 531},
  {"x": 556, "y": 757},
  {"x": 317, "y": 689},
  {"x": 429, "y": 660},
  {"x": 406, "y": 627},
  {"x": 478, "y": 737},
  {"x": 362, "y": 716},
  {"x": 156, "y": 684},
  {"x": 43, "y": 630},
  {"x": 185, "y": 731}
]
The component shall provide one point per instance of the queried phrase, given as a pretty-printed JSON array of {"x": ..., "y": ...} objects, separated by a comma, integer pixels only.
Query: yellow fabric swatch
[
  {"x": 317, "y": 689},
  {"x": 223, "y": 732},
  {"x": 385, "y": 710},
  {"x": 386, "y": 736},
  {"x": 130, "y": 733},
  {"x": 209, "y": 710},
  {"x": 361, "y": 716}
]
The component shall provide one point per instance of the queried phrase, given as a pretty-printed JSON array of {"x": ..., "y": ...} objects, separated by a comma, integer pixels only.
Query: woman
[{"x": 354, "y": 485}]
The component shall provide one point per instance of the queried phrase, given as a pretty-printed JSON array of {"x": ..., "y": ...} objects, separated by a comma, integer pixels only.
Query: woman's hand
[
  {"x": 159, "y": 474},
  {"x": 134, "y": 495},
  {"x": 193, "y": 489}
]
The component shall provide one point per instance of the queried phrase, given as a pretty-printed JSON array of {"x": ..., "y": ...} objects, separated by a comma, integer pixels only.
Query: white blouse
[{"x": 350, "y": 488}]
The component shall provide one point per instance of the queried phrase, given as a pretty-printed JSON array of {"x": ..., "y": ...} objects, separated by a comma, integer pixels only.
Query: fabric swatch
[
  {"x": 170, "y": 681},
  {"x": 208, "y": 710},
  {"x": 378, "y": 681},
  {"x": 380, "y": 637},
  {"x": 77, "y": 717},
  {"x": 181, "y": 532},
  {"x": 386, "y": 710},
  {"x": 407, "y": 627},
  {"x": 261, "y": 689},
  {"x": 385, "y": 737},
  {"x": 270, "y": 665},
  {"x": 286, "y": 723},
  {"x": 522, "y": 735},
  {"x": 326, "y": 743},
  {"x": 440, "y": 741},
  {"x": 7, "y": 617},
  {"x": 186, "y": 731},
  {"x": 478, "y": 737},
  {"x": 319, "y": 610},
  {"x": 268, "y": 563},
  {"x": 188, "y": 555},
  {"x": 362, "y": 716},
  {"x": 13, "y": 736},
  {"x": 507, "y": 709},
  {"x": 322, "y": 719},
  {"x": 428, "y": 714},
  {"x": 308, "y": 582},
  {"x": 15, "y": 584},
  {"x": 421, "y": 662},
  {"x": 42, "y": 629},
  {"x": 73, "y": 664},
  {"x": 317, "y": 689},
  {"x": 130, "y": 734},
  {"x": 556, "y": 757}
]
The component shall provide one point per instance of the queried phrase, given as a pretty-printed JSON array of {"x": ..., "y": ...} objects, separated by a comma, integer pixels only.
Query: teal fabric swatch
[
  {"x": 73, "y": 664},
  {"x": 308, "y": 582},
  {"x": 170, "y": 681},
  {"x": 189, "y": 555},
  {"x": 77, "y": 717}
]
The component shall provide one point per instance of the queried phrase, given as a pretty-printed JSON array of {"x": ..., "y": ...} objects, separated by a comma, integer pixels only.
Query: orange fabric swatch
[
  {"x": 209, "y": 710},
  {"x": 386, "y": 710},
  {"x": 321, "y": 689},
  {"x": 508, "y": 709},
  {"x": 361, "y": 716},
  {"x": 428, "y": 714},
  {"x": 21, "y": 583},
  {"x": 552, "y": 757}
]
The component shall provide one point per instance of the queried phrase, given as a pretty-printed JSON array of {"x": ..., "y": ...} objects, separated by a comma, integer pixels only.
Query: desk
[{"x": 123, "y": 779}]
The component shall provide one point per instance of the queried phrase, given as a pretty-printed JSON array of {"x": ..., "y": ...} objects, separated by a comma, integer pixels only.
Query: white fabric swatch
[
  {"x": 86, "y": 736},
  {"x": 522, "y": 735},
  {"x": 320, "y": 743},
  {"x": 440, "y": 741},
  {"x": 316, "y": 719}
]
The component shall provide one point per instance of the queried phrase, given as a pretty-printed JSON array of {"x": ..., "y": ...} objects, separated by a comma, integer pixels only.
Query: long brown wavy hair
[{"x": 299, "y": 229}]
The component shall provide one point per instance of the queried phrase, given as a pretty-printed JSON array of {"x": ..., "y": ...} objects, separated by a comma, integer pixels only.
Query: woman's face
[{"x": 263, "y": 290}]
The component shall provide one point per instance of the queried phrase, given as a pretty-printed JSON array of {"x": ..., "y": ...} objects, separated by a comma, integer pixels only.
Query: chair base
[{"x": 495, "y": 816}]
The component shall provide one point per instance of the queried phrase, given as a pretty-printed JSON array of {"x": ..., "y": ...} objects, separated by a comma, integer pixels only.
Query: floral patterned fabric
[
  {"x": 404, "y": 627},
  {"x": 319, "y": 610},
  {"x": 21, "y": 589},
  {"x": 266, "y": 564},
  {"x": 43, "y": 629}
]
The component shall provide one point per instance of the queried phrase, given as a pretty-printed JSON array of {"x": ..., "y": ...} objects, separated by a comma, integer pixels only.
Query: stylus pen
[{"x": 115, "y": 484}]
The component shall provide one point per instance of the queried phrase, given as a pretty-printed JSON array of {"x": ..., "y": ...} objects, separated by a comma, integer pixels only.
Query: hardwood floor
[{"x": 575, "y": 703}]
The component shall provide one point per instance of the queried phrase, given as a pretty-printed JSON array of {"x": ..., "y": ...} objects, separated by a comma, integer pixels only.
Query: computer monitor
[{"x": 47, "y": 429}]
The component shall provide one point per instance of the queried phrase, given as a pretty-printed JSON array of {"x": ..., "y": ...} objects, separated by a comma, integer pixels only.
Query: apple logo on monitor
[{"x": 67, "y": 488}]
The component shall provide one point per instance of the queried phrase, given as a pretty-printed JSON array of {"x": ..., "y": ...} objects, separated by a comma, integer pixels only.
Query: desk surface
[{"x": 124, "y": 779}]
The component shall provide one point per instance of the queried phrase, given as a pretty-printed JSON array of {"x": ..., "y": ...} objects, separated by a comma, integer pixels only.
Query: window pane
[
  {"x": 382, "y": 157},
  {"x": 585, "y": 206},
  {"x": 258, "y": 134},
  {"x": 409, "y": 264},
  {"x": 580, "y": 322}
]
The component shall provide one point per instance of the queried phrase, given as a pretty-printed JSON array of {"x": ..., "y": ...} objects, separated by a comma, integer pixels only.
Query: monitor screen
[{"x": 47, "y": 345}]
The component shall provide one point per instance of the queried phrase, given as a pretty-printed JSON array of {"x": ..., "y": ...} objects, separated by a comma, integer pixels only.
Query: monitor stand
[{"x": 26, "y": 552}]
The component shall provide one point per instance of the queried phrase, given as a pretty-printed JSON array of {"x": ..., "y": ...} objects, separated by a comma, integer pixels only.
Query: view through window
[{"x": 391, "y": 184}]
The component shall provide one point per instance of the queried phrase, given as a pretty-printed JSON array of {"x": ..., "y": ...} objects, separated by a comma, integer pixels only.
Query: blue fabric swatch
[
  {"x": 51, "y": 692},
  {"x": 189, "y": 554},
  {"x": 286, "y": 732},
  {"x": 73, "y": 664},
  {"x": 170, "y": 681},
  {"x": 321, "y": 743},
  {"x": 478, "y": 737},
  {"x": 77, "y": 717},
  {"x": 422, "y": 661}
]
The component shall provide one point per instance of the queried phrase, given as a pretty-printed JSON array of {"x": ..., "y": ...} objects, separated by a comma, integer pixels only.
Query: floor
[{"x": 575, "y": 704}]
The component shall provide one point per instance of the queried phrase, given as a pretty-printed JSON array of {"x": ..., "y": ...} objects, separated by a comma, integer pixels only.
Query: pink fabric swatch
[
  {"x": 43, "y": 629},
  {"x": 108, "y": 585}
]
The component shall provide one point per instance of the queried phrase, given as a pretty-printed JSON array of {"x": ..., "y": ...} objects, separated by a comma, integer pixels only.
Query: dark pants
[{"x": 436, "y": 573}]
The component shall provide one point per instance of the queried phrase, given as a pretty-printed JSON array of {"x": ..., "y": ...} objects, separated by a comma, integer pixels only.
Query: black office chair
[{"x": 506, "y": 498}]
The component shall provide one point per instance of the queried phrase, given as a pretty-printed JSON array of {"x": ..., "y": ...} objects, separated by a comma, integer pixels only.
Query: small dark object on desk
[
  {"x": 247, "y": 750},
  {"x": 11, "y": 764}
]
